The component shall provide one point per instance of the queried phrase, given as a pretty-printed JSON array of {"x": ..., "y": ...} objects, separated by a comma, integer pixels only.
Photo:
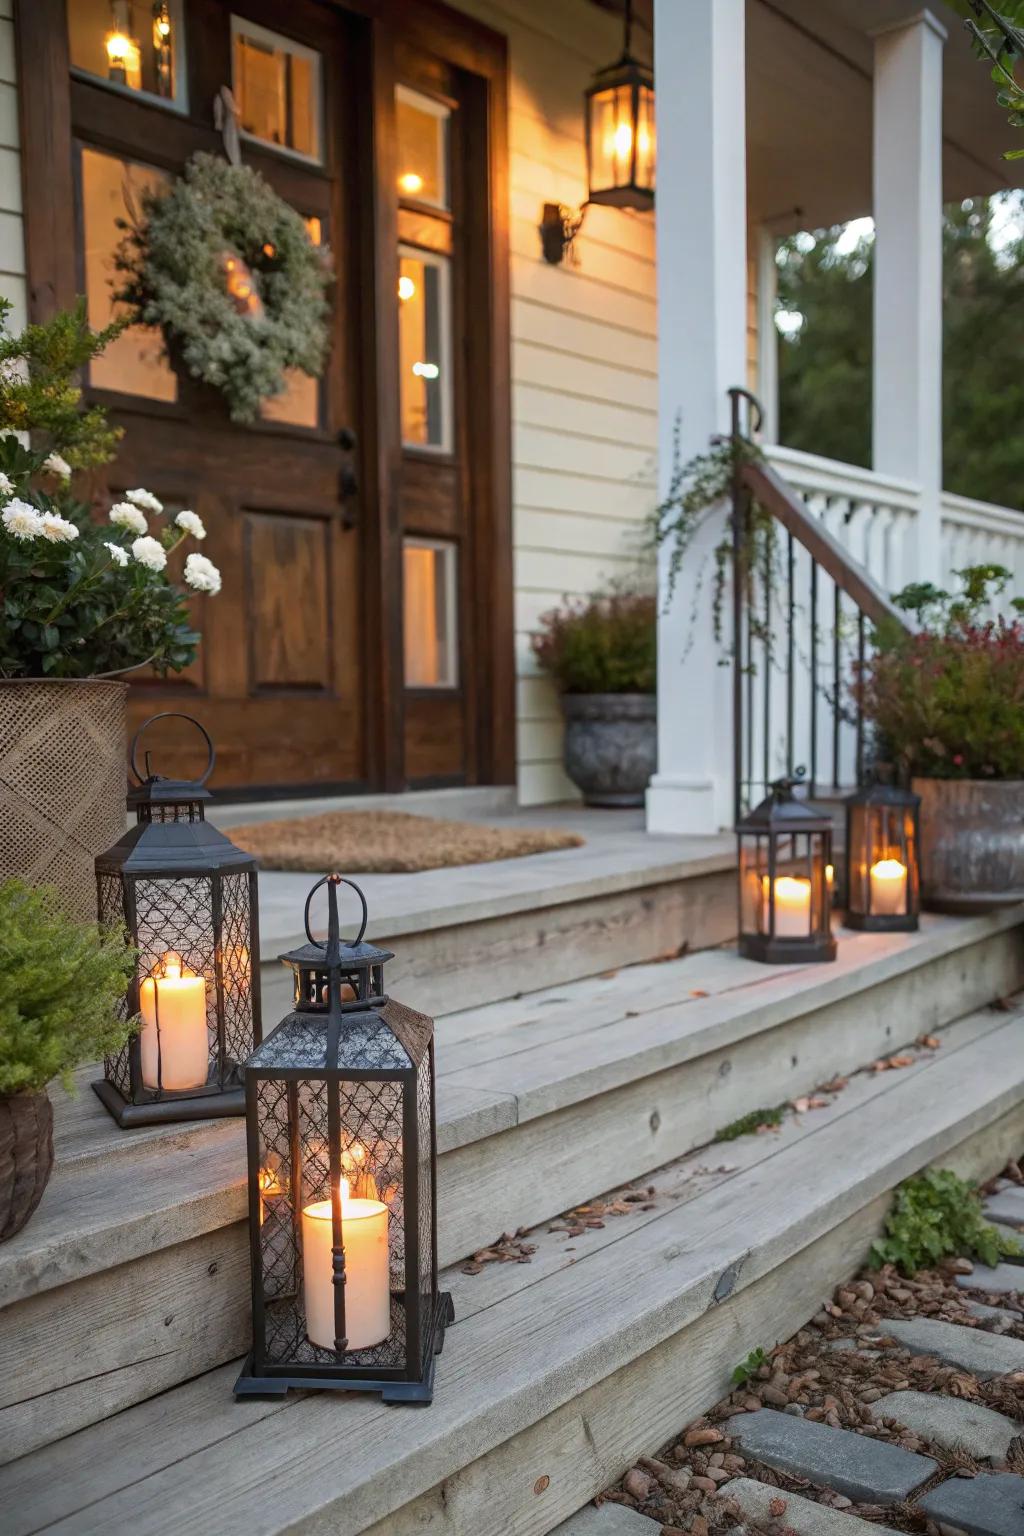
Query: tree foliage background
[{"x": 825, "y": 363}]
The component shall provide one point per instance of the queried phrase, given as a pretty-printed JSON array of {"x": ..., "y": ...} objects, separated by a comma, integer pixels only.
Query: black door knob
[{"x": 347, "y": 439}]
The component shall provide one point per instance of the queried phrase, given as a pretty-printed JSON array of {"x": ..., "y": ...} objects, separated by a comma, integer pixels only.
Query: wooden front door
[{"x": 362, "y": 638}]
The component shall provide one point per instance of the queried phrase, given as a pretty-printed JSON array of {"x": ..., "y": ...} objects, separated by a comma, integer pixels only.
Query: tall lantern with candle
[
  {"x": 785, "y": 862},
  {"x": 186, "y": 898},
  {"x": 342, "y": 1179},
  {"x": 882, "y": 841}
]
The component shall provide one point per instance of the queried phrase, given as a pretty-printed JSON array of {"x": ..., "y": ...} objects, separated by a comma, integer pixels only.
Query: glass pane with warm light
[
  {"x": 134, "y": 363},
  {"x": 422, "y": 128},
  {"x": 645, "y": 138},
  {"x": 276, "y": 84},
  {"x": 611, "y": 138},
  {"x": 133, "y": 45},
  {"x": 429, "y": 613},
  {"x": 298, "y": 405},
  {"x": 424, "y": 349}
]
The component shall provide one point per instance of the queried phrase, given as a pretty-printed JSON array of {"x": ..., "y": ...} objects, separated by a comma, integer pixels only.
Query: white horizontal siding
[{"x": 584, "y": 356}]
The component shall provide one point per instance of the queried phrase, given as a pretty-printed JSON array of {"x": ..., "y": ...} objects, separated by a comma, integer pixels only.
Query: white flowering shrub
[{"x": 80, "y": 597}]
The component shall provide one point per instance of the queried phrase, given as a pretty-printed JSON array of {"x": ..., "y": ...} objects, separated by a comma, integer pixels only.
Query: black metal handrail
[{"x": 829, "y": 563}]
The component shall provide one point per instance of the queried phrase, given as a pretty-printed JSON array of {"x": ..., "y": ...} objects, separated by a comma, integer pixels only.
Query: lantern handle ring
[
  {"x": 333, "y": 881},
  {"x": 172, "y": 714}
]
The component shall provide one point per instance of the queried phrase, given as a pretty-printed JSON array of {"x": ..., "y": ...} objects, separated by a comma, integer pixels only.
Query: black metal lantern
[
  {"x": 619, "y": 108},
  {"x": 187, "y": 900},
  {"x": 342, "y": 1180},
  {"x": 785, "y": 872},
  {"x": 882, "y": 860}
]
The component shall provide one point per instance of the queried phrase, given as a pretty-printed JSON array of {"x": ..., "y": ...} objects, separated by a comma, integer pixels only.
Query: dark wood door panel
[
  {"x": 435, "y": 737},
  {"x": 288, "y": 602}
]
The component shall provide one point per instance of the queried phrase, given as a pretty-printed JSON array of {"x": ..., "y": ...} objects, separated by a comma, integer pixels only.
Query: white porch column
[
  {"x": 767, "y": 336},
  {"x": 702, "y": 299},
  {"x": 907, "y": 398}
]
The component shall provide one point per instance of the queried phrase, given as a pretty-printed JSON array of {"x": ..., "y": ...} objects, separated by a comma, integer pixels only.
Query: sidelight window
[{"x": 429, "y": 612}]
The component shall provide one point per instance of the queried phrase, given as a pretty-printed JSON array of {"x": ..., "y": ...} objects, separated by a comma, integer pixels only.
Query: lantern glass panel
[
  {"x": 882, "y": 857},
  {"x": 622, "y": 138}
]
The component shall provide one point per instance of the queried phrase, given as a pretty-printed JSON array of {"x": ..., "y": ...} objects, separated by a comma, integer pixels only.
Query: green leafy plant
[
  {"x": 936, "y": 1215},
  {"x": 749, "y": 1367},
  {"x": 746, "y": 1125},
  {"x": 605, "y": 643},
  {"x": 947, "y": 699},
  {"x": 227, "y": 270},
  {"x": 79, "y": 597},
  {"x": 61, "y": 986},
  {"x": 999, "y": 37}
]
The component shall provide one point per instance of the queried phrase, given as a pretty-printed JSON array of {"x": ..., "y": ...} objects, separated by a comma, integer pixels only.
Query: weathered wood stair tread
[
  {"x": 556, "y": 1373},
  {"x": 531, "y": 1063}
]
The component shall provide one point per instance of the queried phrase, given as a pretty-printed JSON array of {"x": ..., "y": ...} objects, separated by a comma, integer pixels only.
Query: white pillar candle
[
  {"x": 888, "y": 888},
  {"x": 364, "y": 1231},
  {"x": 175, "y": 1045},
  {"x": 792, "y": 907}
]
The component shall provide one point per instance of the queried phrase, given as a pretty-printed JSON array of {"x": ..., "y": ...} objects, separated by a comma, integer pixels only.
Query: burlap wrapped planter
[
  {"x": 611, "y": 745},
  {"x": 62, "y": 782},
  {"x": 26, "y": 1157},
  {"x": 972, "y": 843}
]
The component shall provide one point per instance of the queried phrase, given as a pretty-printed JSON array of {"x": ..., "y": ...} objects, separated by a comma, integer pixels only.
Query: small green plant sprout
[
  {"x": 747, "y": 1125},
  {"x": 61, "y": 988},
  {"x": 749, "y": 1367},
  {"x": 937, "y": 1215}
]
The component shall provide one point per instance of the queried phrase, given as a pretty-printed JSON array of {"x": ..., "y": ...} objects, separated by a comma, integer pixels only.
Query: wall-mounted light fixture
[{"x": 619, "y": 117}]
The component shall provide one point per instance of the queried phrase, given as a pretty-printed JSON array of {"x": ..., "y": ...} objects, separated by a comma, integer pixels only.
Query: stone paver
[
  {"x": 987, "y": 1505},
  {"x": 853, "y": 1464},
  {"x": 1005, "y": 1315},
  {"x": 950, "y": 1421},
  {"x": 1007, "y": 1205},
  {"x": 1003, "y": 1278},
  {"x": 609, "y": 1520},
  {"x": 983, "y": 1354},
  {"x": 803, "y": 1516}
]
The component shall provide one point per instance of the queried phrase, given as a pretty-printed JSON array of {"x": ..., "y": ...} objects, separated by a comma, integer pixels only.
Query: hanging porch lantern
[
  {"x": 619, "y": 108},
  {"x": 186, "y": 898},
  {"x": 342, "y": 1182},
  {"x": 785, "y": 867},
  {"x": 882, "y": 843}
]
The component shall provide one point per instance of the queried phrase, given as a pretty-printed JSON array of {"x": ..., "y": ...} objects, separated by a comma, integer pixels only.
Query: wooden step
[
  {"x": 558, "y": 1373},
  {"x": 542, "y": 1102}
]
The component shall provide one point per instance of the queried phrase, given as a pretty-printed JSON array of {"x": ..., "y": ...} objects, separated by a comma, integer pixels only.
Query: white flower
[
  {"x": 6, "y": 485},
  {"x": 202, "y": 574},
  {"x": 117, "y": 554},
  {"x": 191, "y": 524},
  {"x": 150, "y": 553},
  {"x": 57, "y": 529},
  {"x": 21, "y": 520},
  {"x": 53, "y": 464},
  {"x": 127, "y": 516},
  {"x": 146, "y": 500}
]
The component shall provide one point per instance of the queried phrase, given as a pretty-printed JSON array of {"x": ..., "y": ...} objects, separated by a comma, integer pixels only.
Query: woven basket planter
[
  {"x": 26, "y": 1157},
  {"x": 62, "y": 782}
]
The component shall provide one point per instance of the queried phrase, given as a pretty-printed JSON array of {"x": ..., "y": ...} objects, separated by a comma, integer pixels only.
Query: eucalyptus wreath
[{"x": 228, "y": 272}]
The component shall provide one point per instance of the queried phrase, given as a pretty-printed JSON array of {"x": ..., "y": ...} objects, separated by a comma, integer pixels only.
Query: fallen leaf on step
[
  {"x": 776, "y": 1507},
  {"x": 607, "y": 975},
  {"x": 698, "y": 992},
  {"x": 928, "y": 1042},
  {"x": 836, "y": 1085}
]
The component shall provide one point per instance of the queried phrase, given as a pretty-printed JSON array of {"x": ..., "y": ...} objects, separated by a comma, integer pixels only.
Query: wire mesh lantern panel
[
  {"x": 785, "y": 876},
  {"x": 882, "y": 859},
  {"x": 342, "y": 1174},
  {"x": 186, "y": 899}
]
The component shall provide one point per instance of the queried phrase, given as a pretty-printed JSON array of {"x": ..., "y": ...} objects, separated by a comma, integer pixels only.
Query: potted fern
[
  {"x": 601, "y": 654},
  {"x": 85, "y": 599},
  {"x": 62, "y": 984}
]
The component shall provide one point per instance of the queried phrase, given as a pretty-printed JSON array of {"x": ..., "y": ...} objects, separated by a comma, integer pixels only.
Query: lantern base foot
[
  {"x": 418, "y": 1394},
  {"x": 880, "y": 922},
  {"x": 202, "y": 1106},
  {"x": 785, "y": 951}
]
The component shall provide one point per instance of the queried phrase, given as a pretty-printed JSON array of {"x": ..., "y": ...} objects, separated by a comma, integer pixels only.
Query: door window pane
[
  {"x": 429, "y": 617},
  {"x": 424, "y": 331},
  {"x": 299, "y": 404},
  {"x": 132, "y": 45},
  {"x": 134, "y": 363},
  {"x": 277, "y": 89},
  {"x": 422, "y": 125}
]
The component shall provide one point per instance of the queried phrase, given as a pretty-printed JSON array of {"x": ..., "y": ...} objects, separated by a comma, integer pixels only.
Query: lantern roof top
[
  {"x": 334, "y": 953},
  {"x": 385, "y": 1038},
  {"x": 881, "y": 790},
  {"x": 781, "y": 811},
  {"x": 171, "y": 848}
]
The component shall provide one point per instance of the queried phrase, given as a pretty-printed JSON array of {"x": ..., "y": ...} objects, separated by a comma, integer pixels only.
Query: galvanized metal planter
[
  {"x": 611, "y": 745},
  {"x": 972, "y": 843}
]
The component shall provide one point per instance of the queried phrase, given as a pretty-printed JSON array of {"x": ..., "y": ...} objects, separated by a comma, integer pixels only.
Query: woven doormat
[{"x": 383, "y": 842}]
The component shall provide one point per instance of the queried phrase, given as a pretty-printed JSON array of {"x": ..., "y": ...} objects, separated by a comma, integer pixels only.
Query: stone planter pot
[
  {"x": 62, "y": 782},
  {"x": 972, "y": 843},
  {"x": 26, "y": 1157},
  {"x": 611, "y": 745}
]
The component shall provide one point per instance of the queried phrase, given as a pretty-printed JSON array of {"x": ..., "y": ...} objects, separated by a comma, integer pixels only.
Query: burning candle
[
  {"x": 175, "y": 1045},
  {"x": 792, "y": 907},
  {"x": 364, "y": 1228},
  {"x": 888, "y": 888}
]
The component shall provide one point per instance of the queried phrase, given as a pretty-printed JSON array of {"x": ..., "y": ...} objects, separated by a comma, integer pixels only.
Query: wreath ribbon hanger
[{"x": 225, "y": 120}]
